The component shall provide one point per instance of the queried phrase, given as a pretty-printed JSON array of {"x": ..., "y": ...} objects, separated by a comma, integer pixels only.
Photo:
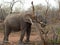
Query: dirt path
[{"x": 14, "y": 37}]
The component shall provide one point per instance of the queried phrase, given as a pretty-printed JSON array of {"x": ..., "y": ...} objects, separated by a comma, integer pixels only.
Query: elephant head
[{"x": 36, "y": 19}]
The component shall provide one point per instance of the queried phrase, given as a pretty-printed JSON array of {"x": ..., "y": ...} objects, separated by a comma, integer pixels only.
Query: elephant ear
[{"x": 27, "y": 18}]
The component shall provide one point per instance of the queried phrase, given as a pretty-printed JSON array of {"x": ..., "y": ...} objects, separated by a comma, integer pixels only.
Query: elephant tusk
[{"x": 41, "y": 23}]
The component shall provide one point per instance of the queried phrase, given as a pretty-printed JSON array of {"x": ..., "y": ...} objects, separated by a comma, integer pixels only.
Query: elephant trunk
[{"x": 33, "y": 10}]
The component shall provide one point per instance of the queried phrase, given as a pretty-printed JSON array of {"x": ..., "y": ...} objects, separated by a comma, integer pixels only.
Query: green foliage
[
  {"x": 1, "y": 30},
  {"x": 54, "y": 41},
  {"x": 58, "y": 30}
]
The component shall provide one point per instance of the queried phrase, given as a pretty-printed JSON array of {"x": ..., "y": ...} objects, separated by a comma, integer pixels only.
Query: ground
[
  {"x": 14, "y": 38},
  {"x": 34, "y": 38}
]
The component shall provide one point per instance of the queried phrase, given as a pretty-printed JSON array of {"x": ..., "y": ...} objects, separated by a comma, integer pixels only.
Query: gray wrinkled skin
[
  {"x": 16, "y": 23},
  {"x": 20, "y": 23}
]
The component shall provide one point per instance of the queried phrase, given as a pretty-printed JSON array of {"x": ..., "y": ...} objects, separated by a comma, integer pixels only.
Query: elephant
[{"x": 21, "y": 22}]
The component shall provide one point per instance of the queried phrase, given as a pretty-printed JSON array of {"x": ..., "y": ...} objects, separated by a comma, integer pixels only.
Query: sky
[
  {"x": 52, "y": 3},
  {"x": 27, "y": 3}
]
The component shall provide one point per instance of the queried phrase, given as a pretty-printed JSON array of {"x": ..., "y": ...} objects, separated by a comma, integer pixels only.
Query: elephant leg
[
  {"x": 6, "y": 34},
  {"x": 22, "y": 36},
  {"x": 23, "y": 30},
  {"x": 28, "y": 31}
]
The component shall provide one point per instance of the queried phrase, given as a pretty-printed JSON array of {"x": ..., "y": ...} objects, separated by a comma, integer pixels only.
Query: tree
[
  {"x": 12, "y": 4},
  {"x": 3, "y": 14},
  {"x": 46, "y": 13}
]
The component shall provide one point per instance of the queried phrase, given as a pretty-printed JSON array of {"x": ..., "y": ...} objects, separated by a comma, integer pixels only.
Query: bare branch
[
  {"x": 12, "y": 4},
  {"x": 47, "y": 9},
  {"x": 0, "y": 5}
]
